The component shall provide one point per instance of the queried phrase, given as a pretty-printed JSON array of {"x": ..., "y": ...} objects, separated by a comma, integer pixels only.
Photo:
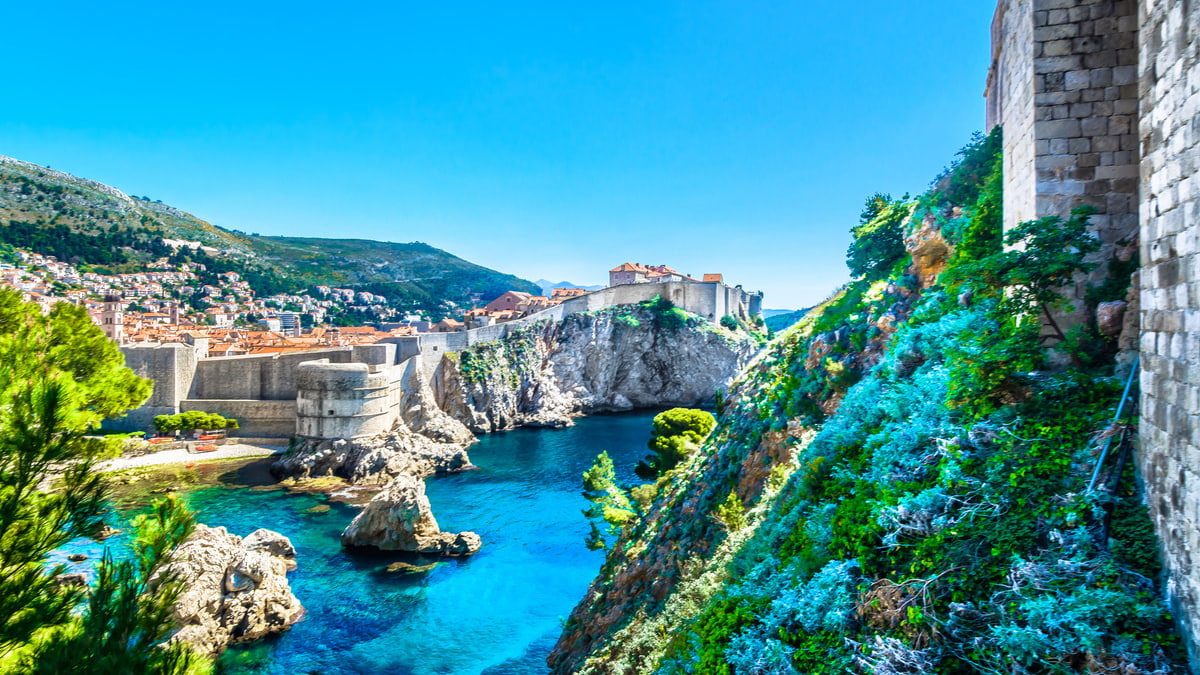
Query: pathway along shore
[{"x": 182, "y": 456}]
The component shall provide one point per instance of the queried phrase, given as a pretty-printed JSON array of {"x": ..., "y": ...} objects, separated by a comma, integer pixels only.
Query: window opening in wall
[{"x": 330, "y": 412}]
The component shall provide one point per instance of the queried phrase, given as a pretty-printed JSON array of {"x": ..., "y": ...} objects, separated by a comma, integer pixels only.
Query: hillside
[
  {"x": 80, "y": 220},
  {"x": 909, "y": 480}
]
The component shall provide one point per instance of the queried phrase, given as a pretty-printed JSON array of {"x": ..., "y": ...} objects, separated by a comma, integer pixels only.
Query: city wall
[
  {"x": 345, "y": 392},
  {"x": 1100, "y": 102},
  {"x": 1169, "y": 130}
]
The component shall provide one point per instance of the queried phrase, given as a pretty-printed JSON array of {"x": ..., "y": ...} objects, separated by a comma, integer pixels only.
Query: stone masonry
[
  {"x": 1064, "y": 85},
  {"x": 1169, "y": 70},
  {"x": 1116, "y": 124}
]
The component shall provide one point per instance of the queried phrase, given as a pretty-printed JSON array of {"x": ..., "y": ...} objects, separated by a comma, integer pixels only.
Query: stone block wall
[
  {"x": 1064, "y": 85},
  {"x": 1010, "y": 102},
  {"x": 1086, "y": 104},
  {"x": 1169, "y": 74}
]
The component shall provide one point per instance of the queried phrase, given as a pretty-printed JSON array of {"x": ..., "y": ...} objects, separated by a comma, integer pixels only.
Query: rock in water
[
  {"x": 399, "y": 519},
  {"x": 374, "y": 460},
  {"x": 235, "y": 590}
]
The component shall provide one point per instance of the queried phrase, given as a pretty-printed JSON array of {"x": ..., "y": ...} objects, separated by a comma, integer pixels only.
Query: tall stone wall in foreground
[
  {"x": 1169, "y": 73},
  {"x": 1116, "y": 109}
]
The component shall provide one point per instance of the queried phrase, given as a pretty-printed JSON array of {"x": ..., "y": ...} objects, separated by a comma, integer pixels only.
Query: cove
[{"x": 498, "y": 612}]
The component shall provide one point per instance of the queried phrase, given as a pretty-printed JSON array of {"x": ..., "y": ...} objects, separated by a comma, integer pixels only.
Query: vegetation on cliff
[
  {"x": 900, "y": 484},
  {"x": 59, "y": 377}
]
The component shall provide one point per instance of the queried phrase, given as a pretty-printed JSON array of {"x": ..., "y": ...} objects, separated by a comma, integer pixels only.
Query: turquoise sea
[{"x": 498, "y": 612}]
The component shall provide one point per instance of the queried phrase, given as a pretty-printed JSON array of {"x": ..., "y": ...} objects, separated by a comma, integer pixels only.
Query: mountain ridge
[{"x": 412, "y": 273}]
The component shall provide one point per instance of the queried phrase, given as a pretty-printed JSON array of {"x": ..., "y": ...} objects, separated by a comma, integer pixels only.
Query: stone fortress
[
  {"x": 351, "y": 392},
  {"x": 1100, "y": 105}
]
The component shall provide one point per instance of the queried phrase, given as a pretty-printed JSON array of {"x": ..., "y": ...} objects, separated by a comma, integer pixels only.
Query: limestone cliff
[{"x": 633, "y": 356}]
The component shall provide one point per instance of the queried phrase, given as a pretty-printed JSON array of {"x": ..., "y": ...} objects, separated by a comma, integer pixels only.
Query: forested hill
[{"x": 92, "y": 224}]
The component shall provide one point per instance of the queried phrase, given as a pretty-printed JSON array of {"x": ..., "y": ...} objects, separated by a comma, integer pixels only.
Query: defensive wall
[
  {"x": 1114, "y": 122},
  {"x": 345, "y": 392}
]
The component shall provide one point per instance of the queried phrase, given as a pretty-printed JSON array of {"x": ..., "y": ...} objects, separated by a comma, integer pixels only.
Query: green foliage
[
  {"x": 610, "y": 504},
  {"x": 129, "y": 610},
  {"x": 59, "y": 378},
  {"x": 666, "y": 314},
  {"x": 879, "y": 238},
  {"x": 1045, "y": 256},
  {"x": 193, "y": 420},
  {"x": 676, "y": 434},
  {"x": 729, "y": 322},
  {"x": 732, "y": 512},
  {"x": 939, "y": 520}
]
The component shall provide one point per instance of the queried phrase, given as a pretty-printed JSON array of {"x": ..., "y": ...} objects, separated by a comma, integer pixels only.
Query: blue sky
[{"x": 550, "y": 140}]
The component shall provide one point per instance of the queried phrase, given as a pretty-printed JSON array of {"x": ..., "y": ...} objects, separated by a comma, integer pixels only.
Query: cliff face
[
  {"x": 622, "y": 358},
  {"x": 899, "y": 484}
]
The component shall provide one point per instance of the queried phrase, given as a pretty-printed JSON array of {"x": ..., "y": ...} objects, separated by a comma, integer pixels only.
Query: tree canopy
[
  {"x": 59, "y": 377},
  {"x": 676, "y": 434}
]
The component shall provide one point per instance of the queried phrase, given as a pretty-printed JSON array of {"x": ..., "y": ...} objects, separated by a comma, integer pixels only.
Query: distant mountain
[
  {"x": 778, "y": 322},
  {"x": 96, "y": 225},
  {"x": 768, "y": 313},
  {"x": 548, "y": 286}
]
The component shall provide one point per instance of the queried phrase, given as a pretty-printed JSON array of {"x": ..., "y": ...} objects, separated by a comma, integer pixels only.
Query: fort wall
[
  {"x": 346, "y": 392},
  {"x": 1169, "y": 131},
  {"x": 1116, "y": 124}
]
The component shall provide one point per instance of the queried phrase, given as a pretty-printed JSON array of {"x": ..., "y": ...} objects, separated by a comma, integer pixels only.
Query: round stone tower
[{"x": 342, "y": 400}]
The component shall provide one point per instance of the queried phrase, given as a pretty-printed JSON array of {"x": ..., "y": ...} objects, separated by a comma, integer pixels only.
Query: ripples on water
[{"x": 498, "y": 612}]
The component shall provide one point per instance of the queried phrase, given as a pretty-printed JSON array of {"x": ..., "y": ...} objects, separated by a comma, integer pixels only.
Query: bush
[
  {"x": 729, "y": 322},
  {"x": 193, "y": 420},
  {"x": 676, "y": 434}
]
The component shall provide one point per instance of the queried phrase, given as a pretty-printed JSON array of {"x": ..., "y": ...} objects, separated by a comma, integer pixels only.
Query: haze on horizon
[{"x": 548, "y": 141}]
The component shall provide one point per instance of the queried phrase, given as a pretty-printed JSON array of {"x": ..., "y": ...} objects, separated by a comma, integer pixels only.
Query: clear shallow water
[{"x": 498, "y": 612}]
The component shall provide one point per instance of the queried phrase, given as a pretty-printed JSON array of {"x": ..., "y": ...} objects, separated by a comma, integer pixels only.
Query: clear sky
[{"x": 553, "y": 139}]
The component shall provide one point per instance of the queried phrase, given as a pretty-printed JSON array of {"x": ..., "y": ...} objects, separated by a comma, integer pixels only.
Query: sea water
[{"x": 497, "y": 612}]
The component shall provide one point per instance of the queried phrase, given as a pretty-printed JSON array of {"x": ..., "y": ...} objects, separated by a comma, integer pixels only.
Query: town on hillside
[{"x": 166, "y": 303}]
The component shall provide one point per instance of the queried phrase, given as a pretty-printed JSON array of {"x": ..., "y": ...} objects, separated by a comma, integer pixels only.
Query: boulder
[
  {"x": 399, "y": 519},
  {"x": 235, "y": 590},
  {"x": 1110, "y": 317}
]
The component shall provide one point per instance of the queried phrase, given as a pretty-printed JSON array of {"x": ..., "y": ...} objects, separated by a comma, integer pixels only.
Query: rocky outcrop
[
  {"x": 374, "y": 460},
  {"x": 420, "y": 412},
  {"x": 234, "y": 589},
  {"x": 617, "y": 359},
  {"x": 399, "y": 519}
]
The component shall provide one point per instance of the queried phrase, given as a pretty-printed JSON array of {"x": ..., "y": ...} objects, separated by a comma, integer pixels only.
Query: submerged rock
[
  {"x": 374, "y": 460},
  {"x": 235, "y": 590},
  {"x": 399, "y": 519},
  {"x": 409, "y": 568}
]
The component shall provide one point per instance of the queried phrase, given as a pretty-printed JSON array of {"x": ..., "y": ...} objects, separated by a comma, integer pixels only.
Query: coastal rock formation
[
  {"x": 374, "y": 460},
  {"x": 399, "y": 519},
  {"x": 617, "y": 359},
  {"x": 420, "y": 412},
  {"x": 235, "y": 590}
]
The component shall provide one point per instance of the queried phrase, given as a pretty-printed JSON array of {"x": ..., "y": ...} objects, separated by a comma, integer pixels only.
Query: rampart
[
  {"x": 345, "y": 392},
  {"x": 1114, "y": 122}
]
